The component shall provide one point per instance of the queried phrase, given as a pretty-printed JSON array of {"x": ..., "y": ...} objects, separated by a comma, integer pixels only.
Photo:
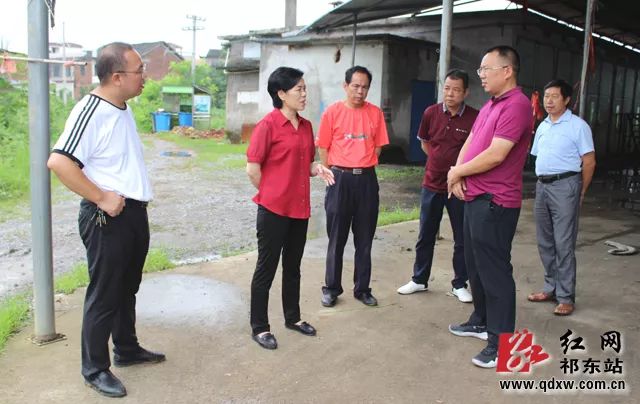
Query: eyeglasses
[
  {"x": 484, "y": 69},
  {"x": 142, "y": 70}
]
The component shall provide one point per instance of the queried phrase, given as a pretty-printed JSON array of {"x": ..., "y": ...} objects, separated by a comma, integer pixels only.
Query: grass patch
[
  {"x": 397, "y": 215},
  {"x": 12, "y": 208},
  {"x": 14, "y": 311},
  {"x": 218, "y": 118},
  {"x": 77, "y": 277},
  {"x": 157, "y": 260},
  {"x": 396, "y": 173}
]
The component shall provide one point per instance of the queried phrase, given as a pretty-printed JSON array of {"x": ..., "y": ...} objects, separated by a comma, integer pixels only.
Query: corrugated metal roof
[
  {"x": 368, "y": 10},
  {"x": 617, "y": 19}
]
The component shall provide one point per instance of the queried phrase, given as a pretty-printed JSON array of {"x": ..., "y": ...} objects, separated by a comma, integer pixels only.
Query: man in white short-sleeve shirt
[
  {"x": 99, "y": 157},
  {"x": 565, "y": 164}
]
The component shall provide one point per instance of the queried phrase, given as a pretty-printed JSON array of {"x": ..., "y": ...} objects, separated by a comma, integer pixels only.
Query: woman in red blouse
[{"x": 279, "y": 164}]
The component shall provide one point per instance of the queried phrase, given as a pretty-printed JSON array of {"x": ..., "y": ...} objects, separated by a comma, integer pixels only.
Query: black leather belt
[
  {"x": 485, "y": 197},
  {"x": 128, "y": 202},
  {"x": 355, "y": 170},
  {"x": 546, "y": 179}
]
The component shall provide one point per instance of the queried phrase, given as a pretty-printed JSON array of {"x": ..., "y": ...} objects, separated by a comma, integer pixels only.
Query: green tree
[{"x": 212, "y": 80}]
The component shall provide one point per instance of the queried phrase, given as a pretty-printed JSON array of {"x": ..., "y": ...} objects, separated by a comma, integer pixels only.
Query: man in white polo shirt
[{"x": 99, "y": 157}]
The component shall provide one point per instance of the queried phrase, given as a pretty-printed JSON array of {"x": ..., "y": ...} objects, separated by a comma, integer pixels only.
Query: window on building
[{"x": 251, "y": 50}]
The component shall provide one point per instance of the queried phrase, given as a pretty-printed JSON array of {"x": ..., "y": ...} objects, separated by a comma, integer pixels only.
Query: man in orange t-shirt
[{"x": 349, "y": 140}]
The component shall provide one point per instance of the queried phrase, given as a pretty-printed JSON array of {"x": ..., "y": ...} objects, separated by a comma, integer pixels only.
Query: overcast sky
[{"x": 93, "y": 23}]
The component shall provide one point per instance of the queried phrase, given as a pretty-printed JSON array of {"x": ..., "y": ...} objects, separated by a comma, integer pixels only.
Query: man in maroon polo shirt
[
  {"x": 444, "y": 128},
  {"x": 488, "y": 174}
]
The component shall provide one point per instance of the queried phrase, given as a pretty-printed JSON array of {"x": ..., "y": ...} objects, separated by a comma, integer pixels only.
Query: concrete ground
[{"x": 399, "y": 352}]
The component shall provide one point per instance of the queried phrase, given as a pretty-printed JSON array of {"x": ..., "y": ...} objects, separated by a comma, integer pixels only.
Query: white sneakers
[
  {"x": 463, "y": 295},
  {"x": 411, "y": 287}
]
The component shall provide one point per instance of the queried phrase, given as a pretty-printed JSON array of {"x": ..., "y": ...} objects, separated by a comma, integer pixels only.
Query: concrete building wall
[
  {"x": 242, "y": 51},
  {"x": 322, "y": 74},
  {"x": 242, "y": 100}
]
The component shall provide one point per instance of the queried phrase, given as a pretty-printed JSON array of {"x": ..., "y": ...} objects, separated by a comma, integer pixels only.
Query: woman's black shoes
[
  {"x": 267, "y": 341},
  {"x": 303, "y": 328}
]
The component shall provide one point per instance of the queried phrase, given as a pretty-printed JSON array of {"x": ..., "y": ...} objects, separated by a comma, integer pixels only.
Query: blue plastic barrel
[
  {"x": 163, "y": 121},
  {"x": 185, "y": 119}
]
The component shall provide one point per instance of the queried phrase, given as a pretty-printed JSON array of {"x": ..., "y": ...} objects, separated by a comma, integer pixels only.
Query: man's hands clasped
[{"x": 456, "y": 184}]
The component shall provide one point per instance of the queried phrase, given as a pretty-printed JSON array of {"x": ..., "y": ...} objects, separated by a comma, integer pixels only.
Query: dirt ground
[
  {"x": 398, "y": 352},
  {"x": 197, "y": 214}
]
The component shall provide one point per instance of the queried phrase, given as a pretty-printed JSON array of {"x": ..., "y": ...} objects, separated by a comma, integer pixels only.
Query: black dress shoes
[
  {"x": 368, "y": 299},
  {"x": 328, "y": 300},
  {"x": 303, "y": 328},
  {"x": 105, "y": 383},
  {"x": 267, "y": 341},
  {"x": 142, "y": 356}
]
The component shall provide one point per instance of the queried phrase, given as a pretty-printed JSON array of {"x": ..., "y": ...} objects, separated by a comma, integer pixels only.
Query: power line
[{"x": 194, "y": 27}]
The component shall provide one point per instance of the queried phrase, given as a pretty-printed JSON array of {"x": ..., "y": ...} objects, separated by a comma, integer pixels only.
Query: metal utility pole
[
  {"x": 588, "y": 28},
  {"x": 43, "y": 309},
  {"x": 445, "y": 44},
  {"x": 353, "y": 39},
  {"x": 64, "y": 68},
  {"x": 194, "y": 19}
]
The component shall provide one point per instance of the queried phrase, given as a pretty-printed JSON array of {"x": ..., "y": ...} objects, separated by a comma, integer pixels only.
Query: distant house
[
  {"x": 158, "y": 56},
  {"x": 74, "y": 80},
  {"x": 216, "y": 58},
  {"x": 14, "y": 71}
]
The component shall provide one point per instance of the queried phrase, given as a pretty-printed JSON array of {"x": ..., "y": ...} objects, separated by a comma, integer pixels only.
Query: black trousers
[
  {"x": 488, "y": 234},
  {"x": 351, "y": 203},
  {"x": 116, "y": 252},
  {"x": 277, "y": 235},
  {"x": 431, "y": 207}
]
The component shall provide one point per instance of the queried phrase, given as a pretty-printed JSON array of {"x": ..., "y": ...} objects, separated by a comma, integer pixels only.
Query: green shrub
[{"x": 14, "y": 138}]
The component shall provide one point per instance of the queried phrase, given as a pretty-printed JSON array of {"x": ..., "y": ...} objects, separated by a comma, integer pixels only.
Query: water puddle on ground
[
  {"x": 180, "y": 153},
  {"x": 188, "y": 300}
]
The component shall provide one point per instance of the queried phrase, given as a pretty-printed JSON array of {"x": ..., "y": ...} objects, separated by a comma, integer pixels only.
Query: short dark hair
[
  {"x": 111, "y": 59},
  {"x": 508, "y": 53},
  {"x": 283, "y": 78},
  {"x": 565, "y": 88},
  {"x": 459, "y": 74},
  {"x": 356, "y": 69}
]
